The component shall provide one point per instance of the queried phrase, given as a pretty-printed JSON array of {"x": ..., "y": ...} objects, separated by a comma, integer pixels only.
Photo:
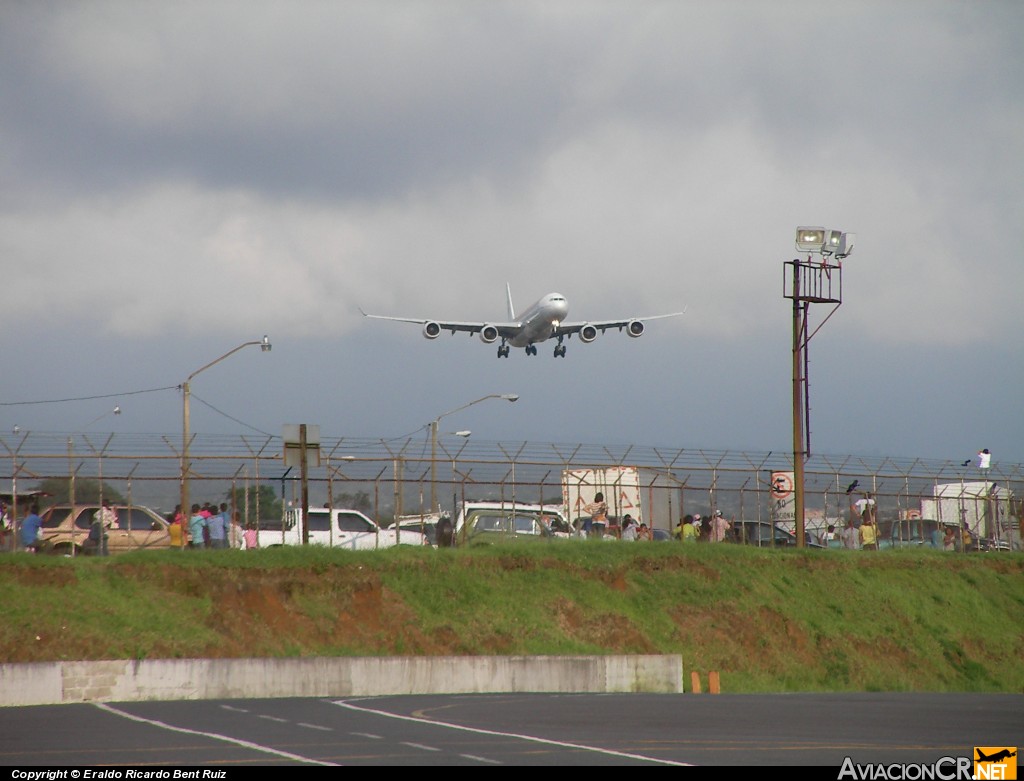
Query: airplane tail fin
[{"x": 511, "y": 310}]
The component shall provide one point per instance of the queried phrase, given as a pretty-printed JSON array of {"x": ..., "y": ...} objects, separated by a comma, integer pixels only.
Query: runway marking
[
  {"x": 420, "y": 746},
  {"x": 367, "y": 735},
  {"x": 213, "y": 736},
  {"x": 315, "y": 726},
  {"x": 274, "y": 718},
  {"x": 475, "y": 758},
  {"x": 531, "y": 738}
]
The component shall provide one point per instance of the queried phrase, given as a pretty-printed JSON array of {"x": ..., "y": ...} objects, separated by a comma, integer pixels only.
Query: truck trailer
[
  {"x": 982, "y": 507},
  {"x": 647, "y": 495}
]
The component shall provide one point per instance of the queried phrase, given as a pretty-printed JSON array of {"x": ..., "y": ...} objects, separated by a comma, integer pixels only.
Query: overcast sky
[{"x": 178, "y": 178}]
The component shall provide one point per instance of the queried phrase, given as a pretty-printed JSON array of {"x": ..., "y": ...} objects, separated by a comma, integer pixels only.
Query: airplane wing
[
  {"x": 634, "y": 326},
  {"x": 433, "y": 328}
]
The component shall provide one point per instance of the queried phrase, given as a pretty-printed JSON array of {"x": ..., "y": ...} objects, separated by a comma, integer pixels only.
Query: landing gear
[
  {"x": 531, "y": 349},
  {"x": 559, "y": 349},
  {"x": 503, "y": 350}
]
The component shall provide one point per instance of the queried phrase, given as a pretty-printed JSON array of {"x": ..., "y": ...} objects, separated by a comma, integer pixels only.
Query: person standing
[
  {"x": 719, "y": 527},
  {"x": 251, "y": 537},
  {"x": 218, "y": 527},
  {"x": 850, "y": 536},
  {"x": 107, "y": 516},
  {"x": 629, "y": 528},
  {"x": 174, "y": 530},
  {"x": 196, "y": 528},
  {"x": 236, "y": 534},
  {"x": 30, "y": 528},
  {"x": 598, "y": 512},
  {"x": 984, "y": 460},
  {"x": 868, "y": 534},
  {"x": 865, "y": 507}
]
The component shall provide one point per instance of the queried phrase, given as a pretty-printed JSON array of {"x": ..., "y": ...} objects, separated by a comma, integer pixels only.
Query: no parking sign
[{"x": 783, "y": 500}]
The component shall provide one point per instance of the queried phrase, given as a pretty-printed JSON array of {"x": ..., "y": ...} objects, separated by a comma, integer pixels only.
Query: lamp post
[
  {"x": 813, "y": 282},
  {"x": 186, "y": 392},
  {"x": 433, "y": 439}
]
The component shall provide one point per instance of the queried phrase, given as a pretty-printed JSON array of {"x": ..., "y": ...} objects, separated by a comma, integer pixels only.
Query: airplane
[
  {"x": 1004, "y": 754},
  {"x": 543, "y": 320}
]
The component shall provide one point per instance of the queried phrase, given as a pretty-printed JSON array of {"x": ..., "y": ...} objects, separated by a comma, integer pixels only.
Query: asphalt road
[{"x": 513, "y": 729}]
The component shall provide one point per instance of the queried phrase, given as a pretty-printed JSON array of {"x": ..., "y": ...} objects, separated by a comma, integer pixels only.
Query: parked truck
[
  {"x": 336, "y": 529},
  {"x": 648, "y": 495},
  {"x": 984, "y": 508}
]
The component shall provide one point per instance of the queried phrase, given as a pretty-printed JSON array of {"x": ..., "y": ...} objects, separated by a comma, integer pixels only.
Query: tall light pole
[
  {"x": 186, "y": 392},
  {"x": 433, "y": 439},
  {"x": 813, "y": 282}
]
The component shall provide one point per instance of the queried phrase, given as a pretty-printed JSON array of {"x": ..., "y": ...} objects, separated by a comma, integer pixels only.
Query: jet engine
[
  {"x": 588, "y": 333},
  {"x": 431, "y": 330},
  {"x": 488, "y": 334},
  {"x": 635, "y": 328}
]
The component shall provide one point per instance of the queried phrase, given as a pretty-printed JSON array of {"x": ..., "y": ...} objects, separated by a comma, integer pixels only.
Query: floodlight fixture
[
  {"x": 824, "y": 241},
  {"x": 845, "y": 246},
  {"x": 810, "y": 239},
  {"x": 832, "y": 239},
  {"x": 265, "y": 344}
]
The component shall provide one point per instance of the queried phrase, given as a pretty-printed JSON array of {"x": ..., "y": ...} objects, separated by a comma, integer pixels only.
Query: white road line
[
  {"x": 273, "y": 718},
  {"x": 367, "y": 735},
  {"x": 419, "y": 746},
  {"x": 315, "y": 726},
  {"x": 478, "y": 731},
  {"x": 213, "y": 736},
  {"x": 475, "y": 758}
]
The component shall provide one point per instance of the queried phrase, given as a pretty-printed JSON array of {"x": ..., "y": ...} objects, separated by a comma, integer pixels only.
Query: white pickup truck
[{"x": 350, "y": 529}]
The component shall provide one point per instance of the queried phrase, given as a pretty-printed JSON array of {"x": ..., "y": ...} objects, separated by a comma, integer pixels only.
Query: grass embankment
[{"x": 765, "y": 620}]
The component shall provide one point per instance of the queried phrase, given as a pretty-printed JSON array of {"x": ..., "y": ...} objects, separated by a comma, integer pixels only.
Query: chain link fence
[{"x": 400, "y": 477}]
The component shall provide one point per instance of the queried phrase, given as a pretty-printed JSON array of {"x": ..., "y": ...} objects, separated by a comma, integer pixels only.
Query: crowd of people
[
  {"x": 209, "y": 526},
  {"x": 694, "y": 528}
]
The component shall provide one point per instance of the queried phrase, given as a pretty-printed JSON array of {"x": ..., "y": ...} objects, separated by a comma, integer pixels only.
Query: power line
[
  {"x": 88, "y": 398},
  {"x": 226, "y": 415}
]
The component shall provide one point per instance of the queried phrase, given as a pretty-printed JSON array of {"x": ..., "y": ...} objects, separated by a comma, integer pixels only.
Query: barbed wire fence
[{"x": 395, "y": 475}]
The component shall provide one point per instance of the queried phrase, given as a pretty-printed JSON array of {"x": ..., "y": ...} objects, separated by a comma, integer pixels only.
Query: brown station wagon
[{"x": 65, "y": 529}]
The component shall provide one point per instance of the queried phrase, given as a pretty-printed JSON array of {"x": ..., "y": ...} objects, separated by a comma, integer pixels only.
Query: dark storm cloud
[{"x": 338, "y": 116}]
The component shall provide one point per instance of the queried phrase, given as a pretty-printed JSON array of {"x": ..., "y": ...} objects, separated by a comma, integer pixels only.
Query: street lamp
[
  {"x": 186, "y": 390},
  {"x": 819, "y": 282},
  {"x": 433, "y": 439}
]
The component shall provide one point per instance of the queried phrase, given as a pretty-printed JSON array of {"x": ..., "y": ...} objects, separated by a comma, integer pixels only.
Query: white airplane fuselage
[{"x": 539, "y": 321}]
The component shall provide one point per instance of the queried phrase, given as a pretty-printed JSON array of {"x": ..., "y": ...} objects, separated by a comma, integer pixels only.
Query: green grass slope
[{"x": 764, "y": 620}]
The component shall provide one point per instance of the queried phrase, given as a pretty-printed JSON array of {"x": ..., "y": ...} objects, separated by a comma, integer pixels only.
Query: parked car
[
  {"x": 65, "y": 529},
  {"x": 910, "y": 533},
  {"x": 765, "y": 534},
  {"x": 497, "y": 522},
  {"x": 336, "y": 528},
  {"x": 421, "y": 524}
]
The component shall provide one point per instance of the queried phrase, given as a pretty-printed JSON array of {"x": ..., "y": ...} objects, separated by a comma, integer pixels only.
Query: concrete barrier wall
[{"x": 197, "y": 679}]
